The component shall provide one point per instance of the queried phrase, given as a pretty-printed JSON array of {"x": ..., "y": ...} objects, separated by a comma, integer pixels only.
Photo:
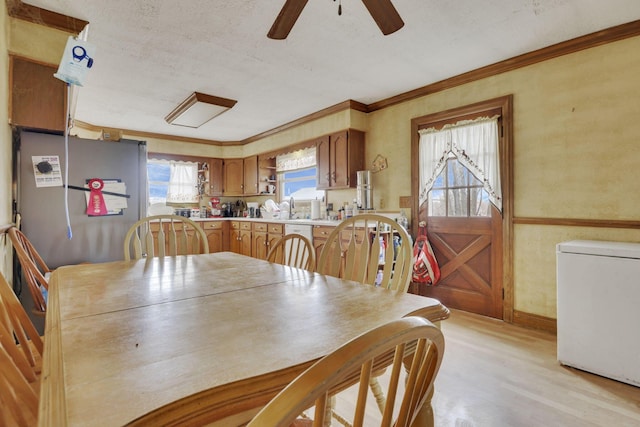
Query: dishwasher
[
  {"x": 598, "y": 288},
  {"x": 305, "y": 230}
]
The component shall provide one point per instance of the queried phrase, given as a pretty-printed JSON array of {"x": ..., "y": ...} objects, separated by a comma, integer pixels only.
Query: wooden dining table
[{"x": 196, "y": 338}]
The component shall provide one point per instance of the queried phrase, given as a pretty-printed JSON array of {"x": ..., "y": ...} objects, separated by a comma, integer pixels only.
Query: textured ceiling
[{"x": 152, "y": 54}]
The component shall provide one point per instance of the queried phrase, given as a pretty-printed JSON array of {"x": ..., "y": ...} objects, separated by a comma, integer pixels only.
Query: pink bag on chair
[{"x": 425, "y": 265}]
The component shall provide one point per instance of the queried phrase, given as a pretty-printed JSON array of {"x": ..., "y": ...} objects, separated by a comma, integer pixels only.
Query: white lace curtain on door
[{"x": 474, "y": 143}]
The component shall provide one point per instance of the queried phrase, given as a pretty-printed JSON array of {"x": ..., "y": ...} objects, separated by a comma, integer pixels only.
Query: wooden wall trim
[
  {"x": 145, "y": 135},
  {"x": 345, "y": 105},
  {"x": 17, "y": 9},
  {"x": 578, "y": 222},
  {"x": 609, "y": 35},
  {"x": 535, "y": 321}
]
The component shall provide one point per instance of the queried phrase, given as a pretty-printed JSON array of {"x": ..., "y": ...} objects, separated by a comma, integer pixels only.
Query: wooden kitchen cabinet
[
  {"x": 216, "y": 174},
  {"x": 265, "y": 235},
  {"x": 233, "y": 177},
  {"x": 37, "y": 99},
  {"x": 339, "y": 156},
  {"x": 320, "y": 234},
  {"x": 250, "y": 166},
  {"x": 240, "y": 237},
  {"x": 217, "y": 235}
]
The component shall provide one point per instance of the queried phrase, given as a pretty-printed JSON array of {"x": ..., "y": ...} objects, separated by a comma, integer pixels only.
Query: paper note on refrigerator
[{"x": 46, "y": 170}]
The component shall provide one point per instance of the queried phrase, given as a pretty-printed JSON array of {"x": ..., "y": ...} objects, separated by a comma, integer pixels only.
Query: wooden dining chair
[
  {"x": 20, "y": 362},
  {"x": 164, "y": 235},
  {"x": 370, "y": 249},
  {"x": 34, "y": 269},
  {"x": 18, "y": 335},
  {"x": 18, "y": 400},
  {"x": 374, "y": 250},
  {"x": 412, "y": 343},
  {"x": 293, "y": 250}
]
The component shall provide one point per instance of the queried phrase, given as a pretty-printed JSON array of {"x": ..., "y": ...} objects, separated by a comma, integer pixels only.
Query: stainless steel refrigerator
[{"x": 42, "y": 208}]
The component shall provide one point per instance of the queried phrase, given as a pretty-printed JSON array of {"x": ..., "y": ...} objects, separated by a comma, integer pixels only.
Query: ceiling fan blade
[
  {"x": 385, "y": 15},
  {"x": 286, "y": 18}
]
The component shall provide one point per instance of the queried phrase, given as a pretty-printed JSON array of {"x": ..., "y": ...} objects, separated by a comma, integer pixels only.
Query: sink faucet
[{"x": 291, "y": 206}]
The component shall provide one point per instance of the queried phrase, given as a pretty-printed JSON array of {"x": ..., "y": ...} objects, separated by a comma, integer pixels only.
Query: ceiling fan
[{"x": 382, "y": 11}]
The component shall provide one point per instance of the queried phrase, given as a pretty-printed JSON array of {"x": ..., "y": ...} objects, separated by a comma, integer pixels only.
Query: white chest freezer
[{"x": 599, "y": 308}]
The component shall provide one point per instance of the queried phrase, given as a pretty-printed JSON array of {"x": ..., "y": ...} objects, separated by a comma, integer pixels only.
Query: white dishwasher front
[
  {"x": 598, "y": 289},
  {"x": 305, "y": 230}
]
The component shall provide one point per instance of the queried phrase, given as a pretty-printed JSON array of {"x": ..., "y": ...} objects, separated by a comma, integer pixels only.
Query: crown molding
[
  {"x": 17, "y": 9},
  {"x": 609, "y": 35}
]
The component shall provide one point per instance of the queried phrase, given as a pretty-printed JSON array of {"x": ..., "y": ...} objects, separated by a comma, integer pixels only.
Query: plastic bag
[{"x": 425, "y": 266}]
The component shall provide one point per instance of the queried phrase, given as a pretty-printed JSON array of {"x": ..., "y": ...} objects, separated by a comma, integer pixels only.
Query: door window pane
[{"x": 457, "y": 193}]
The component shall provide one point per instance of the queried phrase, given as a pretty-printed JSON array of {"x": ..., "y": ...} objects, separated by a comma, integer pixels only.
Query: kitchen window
[
  {"x": 172, "y": 181},
  {"x": 297, "y": 175}
]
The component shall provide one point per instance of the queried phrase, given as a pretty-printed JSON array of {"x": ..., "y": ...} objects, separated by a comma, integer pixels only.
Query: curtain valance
[
  {"x": 476, "y": 145},
  {"x": 299, "y": 159}
]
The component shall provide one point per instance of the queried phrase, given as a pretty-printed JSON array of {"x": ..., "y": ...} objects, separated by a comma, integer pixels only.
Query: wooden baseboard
[{"x": 534, "y": 321}]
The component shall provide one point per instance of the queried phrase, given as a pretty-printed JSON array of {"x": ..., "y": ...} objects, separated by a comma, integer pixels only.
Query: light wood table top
[{"x": 214, "y": 332}]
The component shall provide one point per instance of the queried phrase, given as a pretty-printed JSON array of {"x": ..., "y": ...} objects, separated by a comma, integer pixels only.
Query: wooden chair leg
[{"x": 381, "y": 400}]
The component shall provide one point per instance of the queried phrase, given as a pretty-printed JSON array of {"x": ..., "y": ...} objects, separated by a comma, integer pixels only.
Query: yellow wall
[
  {"x": 576, "y": 136},
  {"x": 5, "y": 145},
  {"x": 576, "y": 153}
]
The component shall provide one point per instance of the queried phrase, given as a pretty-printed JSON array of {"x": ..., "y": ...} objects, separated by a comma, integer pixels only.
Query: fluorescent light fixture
[{"x": 198, "y": 109}]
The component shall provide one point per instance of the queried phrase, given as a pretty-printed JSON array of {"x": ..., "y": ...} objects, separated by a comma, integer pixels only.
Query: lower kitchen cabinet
[
  {"x": 265, "y": 235},
  {"x": 240, "y": 237},
  {"x": 217, "y": 232},
  {"x": 320, "y": 234}
]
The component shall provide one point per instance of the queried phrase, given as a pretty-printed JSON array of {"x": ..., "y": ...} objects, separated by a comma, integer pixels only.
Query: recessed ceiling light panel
[{"x": 198, "y": 109}]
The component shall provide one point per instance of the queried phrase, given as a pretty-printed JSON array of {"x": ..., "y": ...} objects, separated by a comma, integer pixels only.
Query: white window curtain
[
  {"x": 476, "y": 145},
  {"x": 299, "y": 159},
  {"x": 183, "y": 182}
]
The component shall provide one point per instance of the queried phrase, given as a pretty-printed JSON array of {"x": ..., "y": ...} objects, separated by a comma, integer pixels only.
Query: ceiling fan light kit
[{"x": 382, "y": 11}]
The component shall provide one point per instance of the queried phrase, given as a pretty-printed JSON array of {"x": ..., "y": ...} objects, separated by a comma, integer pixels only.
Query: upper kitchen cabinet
[
  {"x": 233, "y": 177},
  {"x": 339, "y": 156},
  {"x": 250, "y": 175},
  {"x": 216, "y": 180},
  {"x": 37, "y": 98}
]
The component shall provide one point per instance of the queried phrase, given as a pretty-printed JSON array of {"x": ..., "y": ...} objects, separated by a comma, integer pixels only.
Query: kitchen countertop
[{"x": 277, "y": 221}]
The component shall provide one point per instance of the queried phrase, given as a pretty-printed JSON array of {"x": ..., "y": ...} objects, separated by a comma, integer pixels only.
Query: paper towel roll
[{"x": 315, "y": 209}]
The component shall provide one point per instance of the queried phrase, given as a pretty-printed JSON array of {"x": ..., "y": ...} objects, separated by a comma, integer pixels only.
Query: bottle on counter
[
  {"x": 403, "y": 220},
  {"x": 354, "y": 208},
  {"x": 347, "y": 210}
]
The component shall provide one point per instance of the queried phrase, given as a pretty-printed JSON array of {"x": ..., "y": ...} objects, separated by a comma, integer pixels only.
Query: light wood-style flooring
[{"x": 498, "y": 374}]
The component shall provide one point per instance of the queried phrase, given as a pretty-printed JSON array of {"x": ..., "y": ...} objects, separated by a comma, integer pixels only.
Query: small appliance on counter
[
  {"x": 254, "y": 209},
  {"x": 183, "y": 212},
  {"x": 216, "y": 209},
  {"x": 364, "y": 190}
]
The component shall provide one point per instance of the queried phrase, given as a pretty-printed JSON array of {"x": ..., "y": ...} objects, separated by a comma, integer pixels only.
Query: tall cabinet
[
  {"x": 233, "y": 177},
  {"x": 339, "y": 156},
  {"x": 250, "y": 165}
]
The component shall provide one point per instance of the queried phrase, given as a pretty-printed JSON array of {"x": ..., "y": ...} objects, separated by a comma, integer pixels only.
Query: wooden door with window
[
  {"x": 470, "y": 237},
  {"x": 465, "y": 232}
]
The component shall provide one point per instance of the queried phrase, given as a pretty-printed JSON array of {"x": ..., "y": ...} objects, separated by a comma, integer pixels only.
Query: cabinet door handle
[
  {"x": 333, "y": 175},
  {"x": 328, "y": 177}
]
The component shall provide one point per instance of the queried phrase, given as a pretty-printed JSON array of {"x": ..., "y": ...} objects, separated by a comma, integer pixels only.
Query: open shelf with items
[{"x": 267, "y": 177}]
